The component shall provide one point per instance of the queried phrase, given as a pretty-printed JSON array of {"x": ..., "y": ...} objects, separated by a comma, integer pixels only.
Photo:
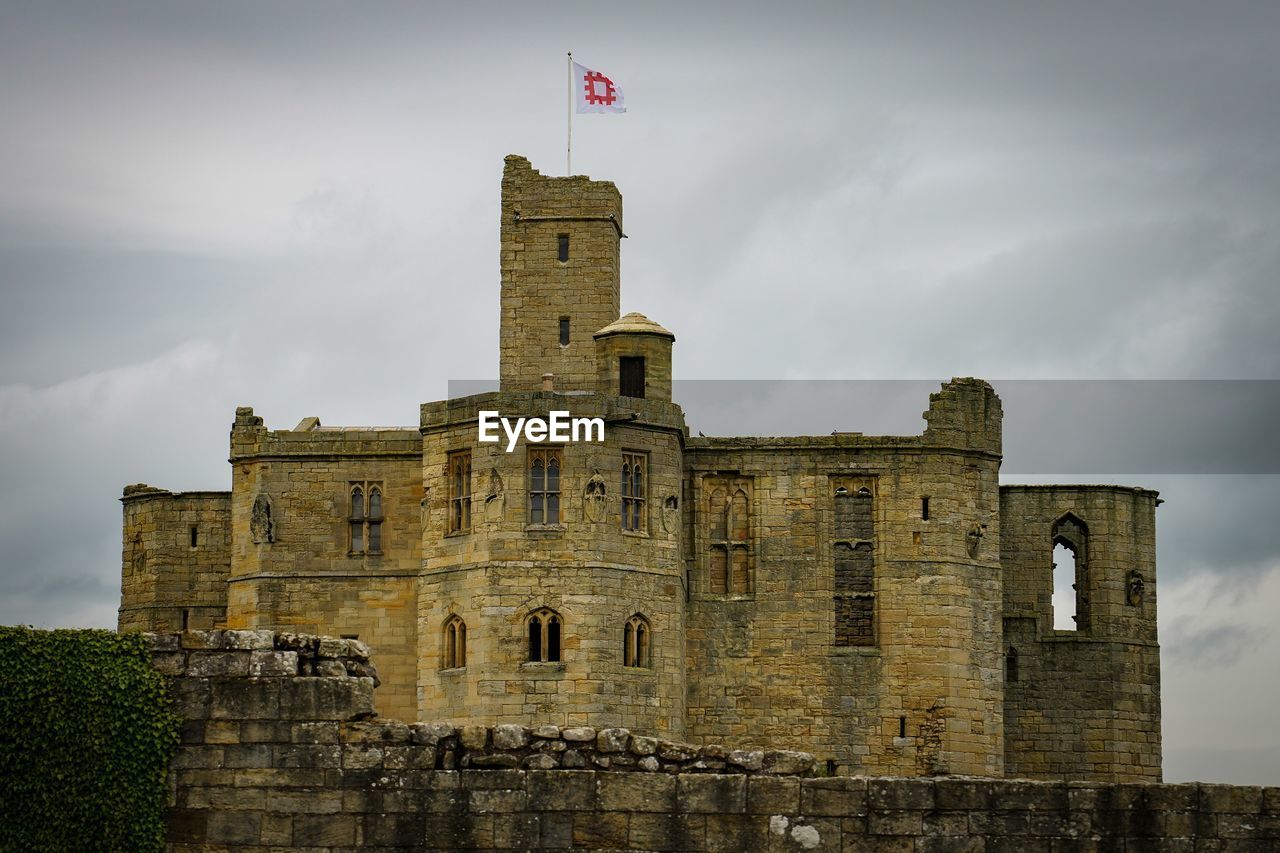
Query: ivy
[{"x": 86, "y": 734}]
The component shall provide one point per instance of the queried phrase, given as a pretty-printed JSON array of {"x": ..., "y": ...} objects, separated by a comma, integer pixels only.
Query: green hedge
[{"x": 86, "y": 734}]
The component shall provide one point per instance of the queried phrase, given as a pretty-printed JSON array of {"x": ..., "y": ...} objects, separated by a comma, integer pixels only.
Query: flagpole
[{"x": 568, "y": 148}]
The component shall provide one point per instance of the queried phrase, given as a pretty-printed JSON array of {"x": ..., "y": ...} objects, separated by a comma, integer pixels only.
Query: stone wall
[
  {"x": 280, "y": 752},
  {"x": 175, "y": 559},
  {"x": 1083, "y": 703},
  {"x": 502, "y": 568},
  {"x": 294, "y": 566},
  {"x": 765, "y": 662}
]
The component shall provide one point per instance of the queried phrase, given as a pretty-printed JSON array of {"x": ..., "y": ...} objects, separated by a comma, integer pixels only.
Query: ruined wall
[
  {"x": 293, "y": 564},
  {"x": 583, "y": 566},
  {"x": 276, "y": 756},
  {"x": 538, "y": 288},
  {"x": 1084, "y": 703},
  {"x": 175, "y": 559},
  {"x": 768, "y": 661}
]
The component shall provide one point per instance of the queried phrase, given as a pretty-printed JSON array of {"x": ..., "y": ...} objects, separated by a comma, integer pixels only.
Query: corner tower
[{"x": 560, "y": 248}]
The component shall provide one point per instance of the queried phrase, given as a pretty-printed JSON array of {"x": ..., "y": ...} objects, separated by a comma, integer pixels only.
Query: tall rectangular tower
[{"x": 560, "y": 242}]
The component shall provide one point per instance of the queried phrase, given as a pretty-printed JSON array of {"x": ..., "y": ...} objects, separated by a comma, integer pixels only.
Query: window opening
[
  {"x": 633, "y": 492},
  {"x": 631, "y": 376},
  {"x": 455, "y": 643},
  {"x": 459, "y": 491},
  {"x": 364, "y": 519},
  {"x": 544, "y": 485},
  {"x": 562, "y": 247},
  {"x": 1064, "y": 588},
  {"x": 635, "y": 642},
  {"x": 544, "y": 636},
  {"x": 564, "y": 331}
]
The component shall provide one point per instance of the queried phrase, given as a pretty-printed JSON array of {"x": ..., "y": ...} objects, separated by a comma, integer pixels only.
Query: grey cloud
[{"x": 295, "y": 207}]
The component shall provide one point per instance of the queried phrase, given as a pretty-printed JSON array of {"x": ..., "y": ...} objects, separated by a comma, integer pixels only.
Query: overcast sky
[{"x": 295, "y": 206}]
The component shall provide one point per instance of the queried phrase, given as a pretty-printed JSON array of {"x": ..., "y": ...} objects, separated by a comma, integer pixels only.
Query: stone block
[
  {"x": 898, "y": 794},
  {"x": 321, "y": 830},
  {"x": 217, "y": 664},
  {"x": 516, "y": 831},
  {"x": 431, "y": 734},
  {"x": 746, "y": 759},
  {"x": 594, "y": 830},
  {"x": 612, "y": 740},
  {"x": 773, "y": 795},
  {"x": 541, "y": 761},
  {"x": 486, "y": 780},
  {"x": 786, "y": 763},
  {"x": 840, "y": 796},
  {"x": 269, "y": 664},
  {"x": 474, "y": 737},
  {"x": 894, "y": 822},
  {"x": 961, "y": 794},
  {"x": 496, "y": 800},
  {"x": 561, "y": 790},
  {"x": 1237, "y": 799},
  {"x": 712, "y": 794},
  {"x": 249, "y": 640},
  {"x": 510, "y": 736},
  {"x": 643, "y": 745},
  {"x": 245, "y": 699},
  {"x": 233, "y": 827},
  {"x": 169, "y": 663},
  {"x": 581, "y": 734},
  {"x": 314, "y": 732},
  {"x": 636, "y": 792}
]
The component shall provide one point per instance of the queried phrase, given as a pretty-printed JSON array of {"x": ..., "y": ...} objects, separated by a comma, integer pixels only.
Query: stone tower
[
  {"x": 560, "y": 561},
  {"x": 560, "y": 246}
]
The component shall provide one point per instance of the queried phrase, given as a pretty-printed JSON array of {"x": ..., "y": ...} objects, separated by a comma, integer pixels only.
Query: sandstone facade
[{"x": 878, "y": 601}]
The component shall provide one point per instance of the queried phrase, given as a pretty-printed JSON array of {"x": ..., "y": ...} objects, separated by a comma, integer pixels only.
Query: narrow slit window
[
  {"x": 924, "y": 509},
  {"x": 564, "y": 331},
  {"x": 1011, "y": 665},
  {"x": 459, "y": 474},
  {"x": 195, "y": 536},
  {"x": 562, "y": 248},
  {"x": 1064, "y": 588},
  {"x": 902, "y": 727},
  {"x": 186, "y": 619}
]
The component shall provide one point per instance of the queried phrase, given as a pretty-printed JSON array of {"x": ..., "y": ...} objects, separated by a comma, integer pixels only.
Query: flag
[{"x": 596, "y": 93}]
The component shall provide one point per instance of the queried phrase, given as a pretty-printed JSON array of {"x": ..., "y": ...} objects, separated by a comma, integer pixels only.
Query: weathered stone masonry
[
  {"x": 281, "y": 751},
  {"x": 881, "y": 602}
]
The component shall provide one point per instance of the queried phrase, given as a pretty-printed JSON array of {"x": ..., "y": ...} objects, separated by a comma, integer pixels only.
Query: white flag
[{"x": 596, "y": 92}]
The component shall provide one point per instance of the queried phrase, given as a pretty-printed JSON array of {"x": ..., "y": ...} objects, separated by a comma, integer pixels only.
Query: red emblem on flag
[{"x": 602, "y": 97}]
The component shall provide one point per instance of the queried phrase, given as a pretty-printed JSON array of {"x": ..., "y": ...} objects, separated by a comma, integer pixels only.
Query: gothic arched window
[
  {"x": 637, "y": 638},
  {"x": 454, "y": 643},
  {"x": 545, "y": 630}
]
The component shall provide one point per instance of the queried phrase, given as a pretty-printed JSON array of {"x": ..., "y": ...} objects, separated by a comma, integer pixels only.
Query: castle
[{"x": 880, "y": 601}]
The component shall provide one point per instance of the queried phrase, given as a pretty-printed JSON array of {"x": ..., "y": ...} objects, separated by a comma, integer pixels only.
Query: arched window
[
  {"x": 1070, "y": 542},
  {"x": 364, "y": 518},
  {"x": 545, "y": 629},
  {"x": 544, "y": 485},
  {"x": 455, "y": 643},
  {"x": 633, "y": 492},
  {"x": 637, "y": 637},
  {"x": 459, "y": 477}
]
